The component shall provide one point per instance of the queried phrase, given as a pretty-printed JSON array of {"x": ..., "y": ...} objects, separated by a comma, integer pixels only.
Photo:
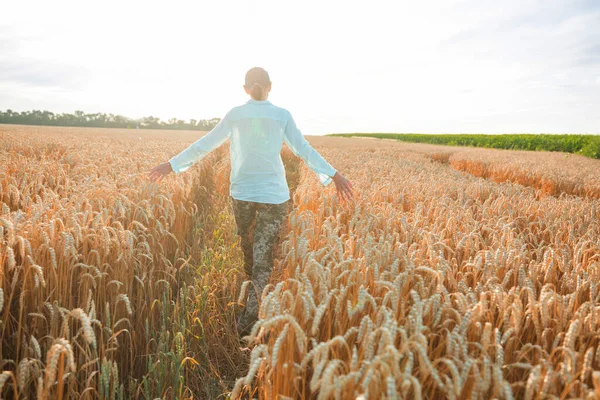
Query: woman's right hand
[{"x": 343, "y": 186}]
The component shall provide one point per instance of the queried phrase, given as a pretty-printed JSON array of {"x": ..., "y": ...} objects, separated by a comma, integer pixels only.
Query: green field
[{"x": 587, "y": 145}]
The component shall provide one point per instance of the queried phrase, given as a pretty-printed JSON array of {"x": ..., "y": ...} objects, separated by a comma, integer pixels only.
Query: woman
[{"x": 258, "y": 188}]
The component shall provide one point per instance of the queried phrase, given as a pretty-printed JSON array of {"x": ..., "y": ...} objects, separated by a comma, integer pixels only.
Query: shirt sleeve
[
  {"x": 300, "y": 147},
  {"x": 201, "y": 147}
]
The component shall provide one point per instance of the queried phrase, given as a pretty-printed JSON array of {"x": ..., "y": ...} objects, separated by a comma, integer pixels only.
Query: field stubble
[{"x": 433, "y": 283}]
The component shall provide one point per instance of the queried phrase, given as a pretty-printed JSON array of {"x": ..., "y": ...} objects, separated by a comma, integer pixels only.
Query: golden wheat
[{"x": 472, "y": 276}]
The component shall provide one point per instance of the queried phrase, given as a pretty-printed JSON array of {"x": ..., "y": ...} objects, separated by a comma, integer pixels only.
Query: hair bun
[{"x": 257, "y": 91}]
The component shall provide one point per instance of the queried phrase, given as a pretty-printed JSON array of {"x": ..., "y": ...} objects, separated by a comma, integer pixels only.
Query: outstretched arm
[
  {"x": 194, "y": 153},
  {"x": 325, "y": 172}
]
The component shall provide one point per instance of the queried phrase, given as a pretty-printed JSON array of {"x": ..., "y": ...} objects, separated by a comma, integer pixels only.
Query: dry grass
[{"x": 433, "y": 283}]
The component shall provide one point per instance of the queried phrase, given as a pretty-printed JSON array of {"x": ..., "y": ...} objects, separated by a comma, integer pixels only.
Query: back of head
[{"x": 257, "y": 79}]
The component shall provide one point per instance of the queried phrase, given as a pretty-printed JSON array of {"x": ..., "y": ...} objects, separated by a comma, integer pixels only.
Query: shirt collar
[{"x": 252, "y": 101}]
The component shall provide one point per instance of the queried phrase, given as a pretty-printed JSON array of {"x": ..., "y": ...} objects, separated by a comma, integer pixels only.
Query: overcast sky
[{"x": 338, "y": 66}]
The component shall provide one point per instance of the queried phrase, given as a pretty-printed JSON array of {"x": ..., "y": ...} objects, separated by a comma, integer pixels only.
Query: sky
[{"x": 447, "y": 66}]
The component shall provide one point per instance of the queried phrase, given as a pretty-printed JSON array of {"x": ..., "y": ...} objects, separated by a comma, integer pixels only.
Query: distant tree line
[{"x": 101, "y": 120}]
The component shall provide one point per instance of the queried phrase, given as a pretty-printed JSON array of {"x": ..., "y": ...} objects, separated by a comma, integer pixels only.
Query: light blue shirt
[{"x": 257, "y": 130}]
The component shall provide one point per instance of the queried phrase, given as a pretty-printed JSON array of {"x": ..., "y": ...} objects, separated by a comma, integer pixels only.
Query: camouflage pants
[{"x": 258, "y": 225}]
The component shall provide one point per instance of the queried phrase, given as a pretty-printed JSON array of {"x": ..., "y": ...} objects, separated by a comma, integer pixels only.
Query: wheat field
[{"x": 455, "y": 273}]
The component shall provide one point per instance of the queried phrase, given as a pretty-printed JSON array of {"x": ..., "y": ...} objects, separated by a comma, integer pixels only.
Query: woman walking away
[{"x": 258, "y": 188}]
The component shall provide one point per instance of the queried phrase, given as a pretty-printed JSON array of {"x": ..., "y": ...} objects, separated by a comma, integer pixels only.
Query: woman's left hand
[{"x": 159, "y": 172}]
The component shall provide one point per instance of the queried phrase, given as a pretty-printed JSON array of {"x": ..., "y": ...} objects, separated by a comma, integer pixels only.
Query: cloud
[
  {"x": 25, "y": 70},
  {"x": 591, "y": 54},
  {"x": 40, "y": 74},
  {"x": 536, "y": 45}
]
